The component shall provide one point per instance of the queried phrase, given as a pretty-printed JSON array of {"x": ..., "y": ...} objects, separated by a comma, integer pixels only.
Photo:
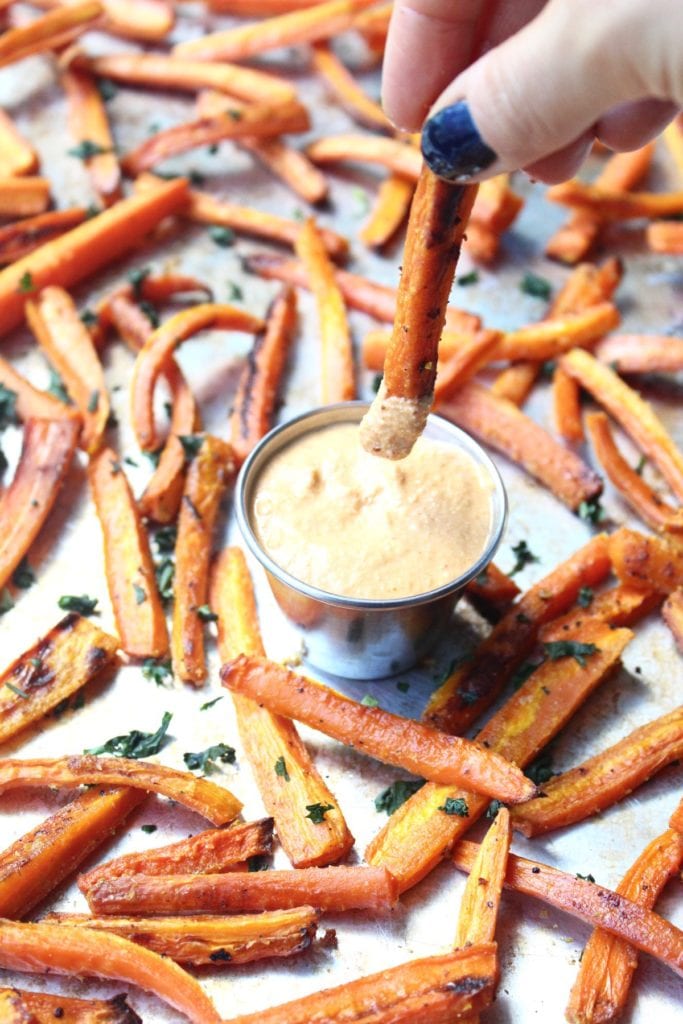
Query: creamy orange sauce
[{"x": 348, "y": 523}]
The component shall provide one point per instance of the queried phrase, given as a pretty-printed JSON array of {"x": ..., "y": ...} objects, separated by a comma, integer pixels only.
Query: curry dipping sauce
[{"x": 353, "y": 525}]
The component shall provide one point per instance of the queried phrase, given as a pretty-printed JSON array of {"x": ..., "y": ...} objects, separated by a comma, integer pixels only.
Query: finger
[
  {"x": 564, "y": 163},
  {"x": 632, "y": 125}
]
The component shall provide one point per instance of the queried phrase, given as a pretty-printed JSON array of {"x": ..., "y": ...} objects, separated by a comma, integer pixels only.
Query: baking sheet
[{"x": 540, "y": 948}]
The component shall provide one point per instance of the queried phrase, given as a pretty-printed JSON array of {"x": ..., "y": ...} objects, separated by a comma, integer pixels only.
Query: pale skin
[{"x": 553, "y": 75}]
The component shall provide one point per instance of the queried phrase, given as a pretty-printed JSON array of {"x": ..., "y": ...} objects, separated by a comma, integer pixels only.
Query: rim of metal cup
[{"x": 349, "y": 412}]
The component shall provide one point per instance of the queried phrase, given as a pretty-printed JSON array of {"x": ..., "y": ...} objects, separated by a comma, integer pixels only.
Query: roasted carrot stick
[
  {"x": 480, "y": 904},
  {"x": 208, "y": 940},
  {"x": 31, "y": 403},
  {"x": 19, "y": 1005},
  {"x": 672, "y": 613},
  {"x": 42, "y": 33},
  {"x": 636, "y": 417},
  {"x": 608, "y": 963},
  {"x": 492, "y": 592},
  {"x": 418, "y": 834},
  {"x": 147, "y": 20},
  {"x": 454, "y": 372},
  {"x": 16, "y": 155},
  {"x": 137, "y": 606},
  {"x": 616, "y": 205},
  {"x": 89, "y": 126},
  {"x": 210, "y": 852},
  {"x": 378, "y": 733},
  {"x": 552, "y": 336},
  {"x": 396, "y": 156},
  {"x": 618, "y": 606},
  {"x": 66, "y": 658},
  {"x": 646, "y": 562},
  {"x": 285, "y": 773},
  {"x": 500, "y": 424},
  {"x": 496, "y": 205},
  {"x": 336, "y": 350},
  {"x": 333, "y": 888},
  {"x": 210, "y": 472},
  {"x": 591, "y": 903},
  {"x": 436, "y": 225},
  {"x": 79, "y": 253},
  {"x": 252, "y": 411},
  {"x": 158, "y": 349},
  {"x": 345, "y": 88},
  {"x": 641, "y": 353},
  {"x": 47, "y": 451},
  {"x": 23, "y": 197},
  {"x": 665, "y": 236},
  {"x": 604, "y": 779},
  {"x": 215, "y": 803},
  {"x": 24, "y": 236},
  {"x": 304, "y": 26},
  {"x": 449, "y": 987},
  {"x": 41, "y": 948},
  {"x": 389, "y": 211},
  {"x": 36, "y": 863}
]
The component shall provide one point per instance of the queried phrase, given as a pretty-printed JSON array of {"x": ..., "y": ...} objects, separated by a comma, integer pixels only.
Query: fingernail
[{"x": 452, "y": 146}]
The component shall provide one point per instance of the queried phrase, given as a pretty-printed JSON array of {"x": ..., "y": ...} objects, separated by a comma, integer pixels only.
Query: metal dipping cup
[{"x": 363, "y": 638}]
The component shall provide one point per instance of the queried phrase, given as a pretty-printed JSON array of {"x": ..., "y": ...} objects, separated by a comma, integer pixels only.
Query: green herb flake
[
  {"x": 165, "y": 573},
  {"x": 403, "y": 687},
  {"x": 148, "y": 829},
  {"x": 191, "y": 444},
  {"x": 82, "y": 604},
  {"x": 150, "y": 312},
  {"x": 395, "y": 795},
  {"x": 140, "y": 593},
  {"x": 23, "y": 576},
  {"x": 210, "y": 703},
  {"x": 107, "y": 89},
  {"x": 526, "y": 669},
  {"x": 369, "y": 701},
  {"x": 158, "y": 671},
  {"x": 87, "y": 149},
  {"x": 136, "y": 744},
  {"x": 557, "y": 649},
  {"x": 539, "y": 287},
  {"x": 585, "y": 597},
  {"x": 222, "y": 236},
  {"x": 281, "y": 769},
  {"x": 4, "y": 464},
  {"x": 468, "y": 279},
  {"x": 88, "y": 318},
  {"x": 592, "y": 511},
  {"x": 8, "y": 407},
  {"x": 377, "y": 382},
  {"x": 235, "y": 293},
  {"x": 257, "y": 863},
  {"x": 26, "y": 283},
  {"x": 130, "y": 462},
  {"x": 456, "y": 807},
  {"x": 317, "y": 812},
  {"x": 56, "y": 388},
  {"x": 493, "y": 808},
  {"x": 153, "y": 457},
  {"x": 93, "y": 401},
  {"x": 542, "y": 769},
  {"x": 6, "y": 601},
  {"x": 206, "y": 760},
  {"x": 585, "y": 878},
  {"x": 165, "y": 539},
  {"x": 17, "y": 690},
  {"x": 137, "y": 278},
  {"x": 641, "y": 464},
  {"x": 205, "y": 613},
  {"x": 523, "y": 555}
]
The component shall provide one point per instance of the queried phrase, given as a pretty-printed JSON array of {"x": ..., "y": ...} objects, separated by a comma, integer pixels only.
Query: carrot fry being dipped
[
  {"x": 345, "y": 88},
  {"x": 395, "y": 740},
  {"x": 46, "y": 32},
  {"x": 16, "y": 155},
  {"x": 23, "y": 197},
  {"x": 289, "y": 783},
  {"x": 25, "y": 235},
  {"x": 398, "y": 157},
  {"x": 89, "y": 126},
  {"x": 646, "y": 562},
  {"x": 45, "y": 1008},
  {"x": 389, "y": 211},
  {"x": 39, "y": 861}
]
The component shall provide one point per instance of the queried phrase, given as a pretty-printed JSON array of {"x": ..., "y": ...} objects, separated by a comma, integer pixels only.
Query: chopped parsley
[
  {"x": 158, "y": 671},
  {"x": 585, "y": 878},
  {"x": 56, "y": 388},
  {"x": 26, "y": 282},
  {"x": 376, "y": 382},
  {"x": 17, "y": 690},
  {"x": 93, "y": 401},
  {"x": 87, "y": 149},
  {"x": 456, "y": 806},
  {"x": 137, "y": 278},
  {"x": 317, "y": 812},
  {"x": 641, "y": 464},
  {"x": 107, "y": 89},
  {"x": 526, "y": 669},
  {"x": 210, "y": 703},
  {"x": 592, "y": 511},
  {"x": 23, "y": 576},
  {"x": 153, "y": 457},
  {"x": 223, "y": 236},
  {"x": 493, "y": 808},
  {"x": 395, "y": 795},
  {"x": 523, "y": 555},
  {"x": 150, "y": 312},
  {"x": 84, "y": 604},
  {"x": 585, "y": 597},
  {"x": 468, "y": 279},
  {"x": 206, "y": 760},
  {"x": 140, "y": 593},
  {"x": 542, "y": 769},
  {"x": 235, "y": 293},
  {"x": 8, "y": 407},
  {"x": 148, "y": 829},
  {"x": 557, "y": 649},
  {"x": 281, "y": 769},
  {"x": 165, "y": 538},
  {"x": 191, "y": 444},
  {"x": 165, "y": 572},
  {"x": 136, "y": 744},
  {"x": 205, "y": 613},
  {"x": 88, "y": 318},
  {"x": 257, "y": 863},
  {"x": 539, "y": 287},
  {"x": 369, "y": 701}
]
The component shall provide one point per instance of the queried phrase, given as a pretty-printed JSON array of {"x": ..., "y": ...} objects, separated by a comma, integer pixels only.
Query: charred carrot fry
[
  {"x": 646, "y": 562},
  {"x": 303, "y": 26},
  {"x": 89, "y": 126},
  {"x": 345, "y": 88},
  {"x": 23, "y": 197},
  {"x": 19, "y": 1004},
  {"x": 36, "y": 863},
  {"x": 618, "y": 606},
  {"x": 672, "y": 613},
  {"x": 642, "y": 353},
  {"x": 159, "y": 347},
  {"x": 66, "y": 341},
  {"x": 608, "y": 963},
  {"x": 270, "y": 740},
  {"x": 665, "y": 236},
  {"x": 604, "y": 779},
  {"x": 46, "y": 455},
  {"x": 616, "y": 205},
  {"x": 31, "y": 403},
  {"x": 378, "y": 733},
  {"x": 454, "y": 372},
  {"x": 419, "y": 833},
  {"x": 499, "y": 423},
  {"x": 215, "y": 803},
  {"x": 16, "y": 155},
  {"x": 636, "y": 417},
  {"x": 398, "y": 157},
  {"x": 449, "y": 987},
  {"x": 630, "y": 485},
  {"x": 336, "y": 351},
  {"x": 71, "y": 654},
  {"x": 79, "y": 253},
  {"x": 332, "y": 888},
  {"x": 40, "y": 948},
  {"x": 252, "y": 411},
  {"x": 480, "y": 904},
  {"x": 589, "y": 902},
  {"x": 209, "y": 940},
  {"x": 437, "y": 221},
  {"x": 492, "y": 592},
  {"x": 209, "y": 474},
  {"x": 389, "y": 212},
  {"x": 24, "y": 236},
  {"x": 210, "y": 852},
  {"x": 42, "y": 33}
]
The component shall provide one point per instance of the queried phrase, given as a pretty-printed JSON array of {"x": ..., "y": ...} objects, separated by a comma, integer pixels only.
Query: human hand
[{"x": 553, "y": 75}]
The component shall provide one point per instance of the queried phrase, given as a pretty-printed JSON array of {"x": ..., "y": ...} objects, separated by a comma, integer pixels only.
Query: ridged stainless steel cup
[{"x": 362, "y": 638}]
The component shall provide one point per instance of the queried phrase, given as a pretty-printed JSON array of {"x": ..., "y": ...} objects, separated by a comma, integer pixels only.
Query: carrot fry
[
  {"x": 345, "y": 88},
  {"x": 630, "y": 485},
  {"x": 454, "y": 372},
  {"x": 389, "y": 212},
  {"x": 635, "y": 416},
  {"x": 40, "y": 948},
  {"x": 303, "y": 26},
  {"x": 39, "y": 861},
  {"x": 603, "y": 780},
  {"x": 210, "y": 852},
  {"x": 215, "y": 803},
  {"x": 449, "y": 987},
  {"x": 158, "y": 348},
  {"x": 642, "y": 353},
  {"x": 67, "y": 343},
  {"x": 210, "y": 472},
  {"x": 270, "y": 740},
  {"x": 646, "y": 562},
  {"x": 290, "y": 165},
  {"x": 515, "y": 382},
  {"x": 471, "y": 688},
  {"x": 567, "y": 407},
  {"x": 43, "y": 33},
  {"x": 71, "y": 654},
  {"x": 24, "y": 236},
  {"x": 16, "y": 155},
  {"x": 23, "y": 197},
  {"x": 618, "y": 606},
  {"x": 665, "y": 236},
  {"x": 496, "y": 206},
  {"x": 608, "y": 963},
  {"x": 89, "y": 126},
  {"x": 589, "y": 902},
  {"x": 550, "y": 337},
  {"x": 500, "y": 424},
  {"x": 672, "y": 613},
  {"x": 19, "y": 1005},
  {"x": 492, "y": 592},
  {"x": 254, "y": 404},
  {"x": 80, "y": 252},
  {"x": 438, "y": 216},
  {"x": 206, "y": 940},
  {"x": 377, "y": 733},
  {"x": 398, "y": 157},
  {"x": 616, "y": 205},
  {"x": 336, "y": 351},
  {"x": 480, "y": 904},
  {"x": 332, "y": 888},
  {"x": 46, "y": 455},
  {"x": 418, "y": 834},
  {"x": 147, "y": 20}
]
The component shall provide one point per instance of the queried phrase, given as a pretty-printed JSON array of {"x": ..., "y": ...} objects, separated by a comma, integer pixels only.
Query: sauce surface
[{"x": 351, "y": 524}]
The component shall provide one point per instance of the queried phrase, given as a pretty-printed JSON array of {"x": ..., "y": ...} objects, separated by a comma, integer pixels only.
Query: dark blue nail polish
[{"x": 452, "y": 146}]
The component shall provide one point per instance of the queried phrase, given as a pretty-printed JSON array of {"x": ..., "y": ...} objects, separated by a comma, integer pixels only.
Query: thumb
[{"x": 539, "y": 92}]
